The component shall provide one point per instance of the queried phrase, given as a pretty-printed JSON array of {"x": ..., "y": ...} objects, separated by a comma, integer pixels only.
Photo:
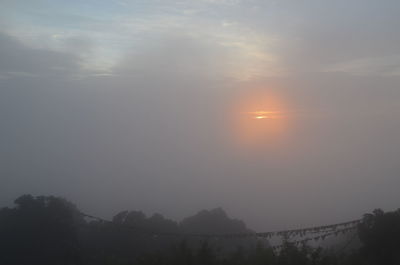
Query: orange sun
[
  {"x": 264, "y": 114},
  {"x": 260, "y": 118}
]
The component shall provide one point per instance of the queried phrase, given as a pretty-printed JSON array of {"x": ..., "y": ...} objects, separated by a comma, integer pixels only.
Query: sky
[{"x": 284, "y": 113}]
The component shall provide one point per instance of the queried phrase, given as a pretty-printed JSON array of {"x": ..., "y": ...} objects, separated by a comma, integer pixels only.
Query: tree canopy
[{"x": 51, "y": 230}]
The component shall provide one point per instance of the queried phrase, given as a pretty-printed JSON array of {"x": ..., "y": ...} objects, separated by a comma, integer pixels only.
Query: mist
[{"x": 148, "y": 106}]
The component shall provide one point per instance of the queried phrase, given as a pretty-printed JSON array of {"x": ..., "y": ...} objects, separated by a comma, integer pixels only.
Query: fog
[{"x": 149, "y": 105}]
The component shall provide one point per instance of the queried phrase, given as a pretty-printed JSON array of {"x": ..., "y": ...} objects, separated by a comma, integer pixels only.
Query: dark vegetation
[{"x": 50, "y": 230}]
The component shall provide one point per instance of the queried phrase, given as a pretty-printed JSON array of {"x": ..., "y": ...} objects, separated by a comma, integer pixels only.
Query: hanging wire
[{"x": 321, "y": 231}]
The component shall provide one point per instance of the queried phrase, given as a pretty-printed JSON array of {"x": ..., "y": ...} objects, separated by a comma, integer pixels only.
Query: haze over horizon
[{"x": 283, "y": 113}]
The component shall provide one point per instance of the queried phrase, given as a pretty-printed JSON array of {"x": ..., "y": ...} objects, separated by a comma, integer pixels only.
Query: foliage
[
  {"x": 50, "y": 230},
  {"x": 380, "y": 234},
  {"x": 39, "y": 230}
]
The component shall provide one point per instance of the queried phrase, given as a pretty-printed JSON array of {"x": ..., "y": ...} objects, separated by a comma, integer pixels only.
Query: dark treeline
[{"x": 50, "y": 230}]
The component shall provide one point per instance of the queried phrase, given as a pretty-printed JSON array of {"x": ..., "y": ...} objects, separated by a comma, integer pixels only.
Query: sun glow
[
  {"x": 261, "y": 118},
  {"x": 259, "y": 115}
]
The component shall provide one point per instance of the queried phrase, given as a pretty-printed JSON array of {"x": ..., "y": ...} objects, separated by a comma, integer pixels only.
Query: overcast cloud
[{"x": 144, "y": 105}]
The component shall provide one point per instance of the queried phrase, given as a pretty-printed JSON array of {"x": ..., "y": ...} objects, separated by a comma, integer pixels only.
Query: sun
[
  {"x": 262, "y": 114},
  {"x": 260, "y": 119}
]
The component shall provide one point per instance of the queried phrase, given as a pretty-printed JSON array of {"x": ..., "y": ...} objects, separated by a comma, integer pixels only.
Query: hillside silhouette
[{"x": 50, "y": 230}]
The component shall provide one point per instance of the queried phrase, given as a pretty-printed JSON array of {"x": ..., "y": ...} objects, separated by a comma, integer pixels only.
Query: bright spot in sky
[
  {"x": 262, "y": 119},
  {"x": 259, "y": 115}
]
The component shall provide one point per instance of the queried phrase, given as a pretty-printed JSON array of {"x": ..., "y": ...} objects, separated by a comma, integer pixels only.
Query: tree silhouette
[
  {"x": 39, "y": 230},
  {"x": 380, "y": 234},
  {"x": 49, "y": 230}
]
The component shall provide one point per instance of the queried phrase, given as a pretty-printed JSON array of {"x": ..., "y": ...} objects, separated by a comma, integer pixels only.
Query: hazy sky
[{"x": 285, "y": 113}]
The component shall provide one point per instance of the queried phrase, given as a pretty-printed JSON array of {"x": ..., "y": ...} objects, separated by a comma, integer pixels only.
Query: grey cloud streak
[{"x": 17, "y": 59}]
